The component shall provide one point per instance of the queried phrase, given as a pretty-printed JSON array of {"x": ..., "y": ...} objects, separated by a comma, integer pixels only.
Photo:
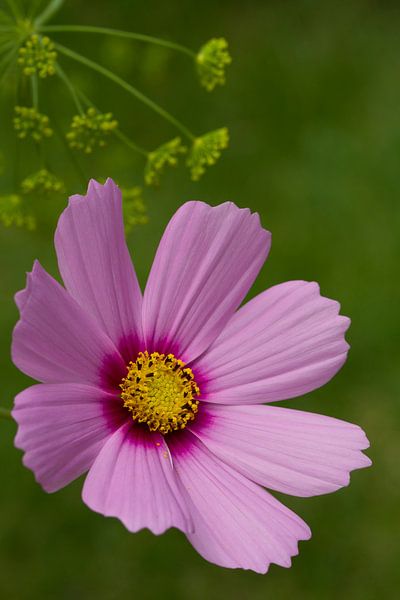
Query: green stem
[
  {"x": 34, "y": 6},
  {"x": 17, "y": 158},
  {"x": 5, "y": 413},
  {"x": 6, "y": 62},
  {"x": 119, "y": 33},
  {"x": 35, "y": 91},
  {"x": 126, "y": 86},
  {"x": 6, "y": 45},
  {"x": 128, "y": 142},
  {"x": 49, "y": 12},
  {"x": 77, "y": 165},
  {"x": 13, "y": 6},
  {"x": 63, "y": 76},
  {"x": 86, "y": 100}
]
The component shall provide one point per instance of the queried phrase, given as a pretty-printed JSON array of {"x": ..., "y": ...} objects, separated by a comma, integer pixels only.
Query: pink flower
[{"x": 160, "y": 396}]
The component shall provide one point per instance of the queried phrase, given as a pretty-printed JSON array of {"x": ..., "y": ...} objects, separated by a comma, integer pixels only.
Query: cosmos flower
[{"x": 159, "y": 397}]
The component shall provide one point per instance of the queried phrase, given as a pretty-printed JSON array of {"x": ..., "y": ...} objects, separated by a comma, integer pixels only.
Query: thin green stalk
[
  {"x": 77, "y": 165},
  {"x": 128, "y": 142},
  {"x": 6, "y": 45},
  {"x": 118, "y": 33},
  {"x": 6, "y": 62},
  {"x": 34, "y": 7},
  {"x": 13, "y": 6},
  {"x": 126, "y": 86},
  {"x": 35, "y": 91},
  {"x": 5, "y": 413},
  {"x": 17, "y": 152},
  {"x": 64, "y": 77},
  {"x": 49, "y": 12},
  {"x": 86, "y": 100}
]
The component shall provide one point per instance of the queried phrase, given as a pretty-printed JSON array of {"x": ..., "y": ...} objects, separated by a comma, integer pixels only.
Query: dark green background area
[{"x": 313, "y": 105}]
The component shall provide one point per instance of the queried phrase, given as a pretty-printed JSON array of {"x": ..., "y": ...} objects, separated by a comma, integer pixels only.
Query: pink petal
[
  {"x": 132, "y": 479},
  {"x": 95, "y": 264},
  {"x": 22, "y": 296},
  {"x": 287, "y": 341},
  {"x": 290, "y": 451},
  {"x": 237, "y": 524},
  {"x": 55, "y": 341},
  {"x": 205, "y": 264},
  {"x": 61, "y": 428}
]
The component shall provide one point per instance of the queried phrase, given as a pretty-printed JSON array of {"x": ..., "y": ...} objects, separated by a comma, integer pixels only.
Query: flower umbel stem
[
  {"x": 50, "y": 10},
  {"x": 14, "y": 9},
  {"x": 130, "y": 144},
  {"x": 126, "y": 86},
  {"x": 64, "y": 77},
  {"x": 35, "y": 91},
  {"x": 118, "y": 33}
]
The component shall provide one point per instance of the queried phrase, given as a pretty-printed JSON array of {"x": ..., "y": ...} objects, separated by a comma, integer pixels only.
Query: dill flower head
[
  {"x": 165, "y": 155},
  {"x": 211, "y": 60},
  {"x": 134, "y": 208},
  {"x": 37, "y": 55},
  {"x": 42, "y": 182},
  {"x": 29, "y": 122},
  {"x": 12, "y": 212},
  {"x": 90, "y": 129},
  {"x": 206, "y": 150}
]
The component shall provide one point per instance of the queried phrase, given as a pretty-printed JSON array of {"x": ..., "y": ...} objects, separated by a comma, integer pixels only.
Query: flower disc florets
[
  {"x": 160, "y": 391},
  {"x": 206, "y": 150},
  {"x": 165, "y": 155},
  {"x": 28, "y": 122},
  {"x": 90, "y": 130},
  {"x": 211, "y": 61},
  {"x": 38, "y": 55}
]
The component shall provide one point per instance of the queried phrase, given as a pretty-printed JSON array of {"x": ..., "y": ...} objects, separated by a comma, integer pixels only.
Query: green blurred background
[{"x": 313, "y": 106}]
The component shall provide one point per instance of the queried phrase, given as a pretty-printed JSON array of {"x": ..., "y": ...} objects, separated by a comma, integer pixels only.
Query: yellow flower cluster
[
  {"x": 134, "y": 208},
  {"x": 165, "y": 155},
  {"x": 206, "y": 150},
  {"x": 42, "y": 182},
  {"x": 89, "y": 130},
  {"x": 38, "y": 55},
  {"x": 12, "y": 212},
  {"x": 28, "y": 122},
  {"x": 211, "y": 61}
]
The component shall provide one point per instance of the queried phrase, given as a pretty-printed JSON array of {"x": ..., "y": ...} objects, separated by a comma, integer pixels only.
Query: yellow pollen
[{"x": 160, "y": 391}]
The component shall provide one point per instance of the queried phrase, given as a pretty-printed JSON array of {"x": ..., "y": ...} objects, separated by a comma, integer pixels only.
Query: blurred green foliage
[
  {"x": 313, "y": 106},
  {"x": 28, "y": 56}
]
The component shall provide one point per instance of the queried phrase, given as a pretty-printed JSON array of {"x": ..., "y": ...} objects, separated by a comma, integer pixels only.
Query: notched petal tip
[
  {"x": 205, "y": 264},
  {"x": 22, "y": 296},
  {"x": 95, "y": 190},
  {"x": 132, "y": 480}
]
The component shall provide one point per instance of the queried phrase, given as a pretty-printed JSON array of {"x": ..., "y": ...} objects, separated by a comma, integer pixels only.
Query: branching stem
[
  {"x": 118, "y": 33},
  {"x": 130, "y": 144},
  {"x": 49, "y": 12},
  {"x": 64, "y": 77},
  {"x": 35, "y": 91},
  {"x": 126, "y": 86}
]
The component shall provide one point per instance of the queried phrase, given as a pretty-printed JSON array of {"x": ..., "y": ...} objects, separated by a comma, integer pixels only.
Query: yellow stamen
[{"x": 160, "y": 391}]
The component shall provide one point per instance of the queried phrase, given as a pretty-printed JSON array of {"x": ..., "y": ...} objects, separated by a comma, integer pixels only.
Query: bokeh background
[{"x": 313, "y": 106}]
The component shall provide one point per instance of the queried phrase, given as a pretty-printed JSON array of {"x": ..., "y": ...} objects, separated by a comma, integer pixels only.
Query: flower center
[{"x": 160, "y": 391}]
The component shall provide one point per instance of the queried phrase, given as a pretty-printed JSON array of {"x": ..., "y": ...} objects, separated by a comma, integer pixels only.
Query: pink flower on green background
[{"x": 160, "y": 396}]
